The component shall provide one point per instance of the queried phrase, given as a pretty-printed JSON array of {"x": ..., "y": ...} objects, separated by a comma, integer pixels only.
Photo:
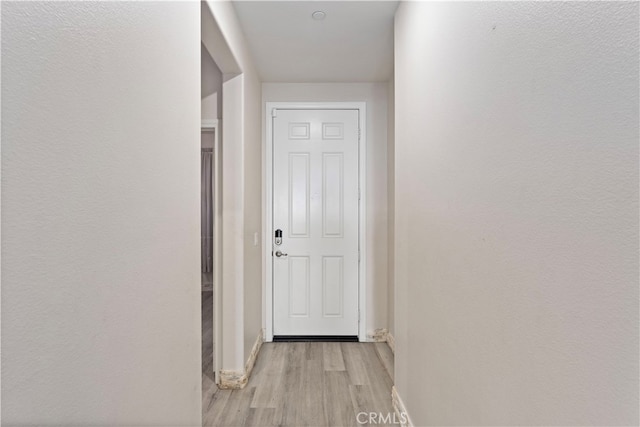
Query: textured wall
[
  {"x": 253, "y": 254},
  {"x": 242, "y": 196},
  {"x": 391, "y": 206},
  {"x": 211, "y": 87},
  {"x": 517, "y": 212},
  {"x": 100, "y": 213}
]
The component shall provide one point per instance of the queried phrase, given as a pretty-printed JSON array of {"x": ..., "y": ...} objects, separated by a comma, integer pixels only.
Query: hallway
[
  {"x": 306, "y": 384},
  {"x": 496, "y": 213}
]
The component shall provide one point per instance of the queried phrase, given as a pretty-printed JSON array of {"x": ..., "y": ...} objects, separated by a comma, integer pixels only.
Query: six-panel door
[{"x": 315, "y": 204}]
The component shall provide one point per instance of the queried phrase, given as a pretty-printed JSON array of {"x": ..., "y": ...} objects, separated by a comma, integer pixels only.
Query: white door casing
[
  {"x": 213, "y": 125},
  {"x": 315, "y": 199}
]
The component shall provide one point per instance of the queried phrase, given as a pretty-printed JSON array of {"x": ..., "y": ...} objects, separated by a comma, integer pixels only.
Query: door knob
[{"x": 280, "y": 254}]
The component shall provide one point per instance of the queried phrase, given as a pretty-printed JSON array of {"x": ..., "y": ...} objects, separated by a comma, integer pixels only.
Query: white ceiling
[{"x": 354, "y": 43}]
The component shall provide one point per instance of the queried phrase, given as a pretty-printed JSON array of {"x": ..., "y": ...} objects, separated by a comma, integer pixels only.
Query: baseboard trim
[
  {"x": 378, "y": 335},
  {"x": 401, "y": 411},
  {"x": 235, "y": 380},
  {"x": 391, "y": 342},
  {"x": 231, "y": 380},
  {"x": 254, "y": 353},
  {"x": 383, "y": 335}
]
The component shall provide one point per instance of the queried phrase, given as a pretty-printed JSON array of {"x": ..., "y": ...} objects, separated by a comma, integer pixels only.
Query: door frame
[
  {"x": 213, "y": 125},
  {"x": 267, "y": 214}
]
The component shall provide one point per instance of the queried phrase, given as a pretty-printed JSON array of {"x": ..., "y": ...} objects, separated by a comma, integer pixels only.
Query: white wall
[
  {"x": 211, "y": 87},
  {"x": 232, "y": 227},
  {"x": 391, "y": 196},
  {"x": 100, "y": 213},
  {"x": 253, "y": 255},
  {"x": 375, "y": 95},
  {"x": 517, "y": 212},
  {"x": 242, "y": 195}
]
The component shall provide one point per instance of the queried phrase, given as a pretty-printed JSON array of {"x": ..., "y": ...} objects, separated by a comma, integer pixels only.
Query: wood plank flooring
[
  {"x": 386, "y": 356},
  {"x": 207, "y": 334},
  {"x": 207, "y": 282},
  {"x": 306, "y": 384}
]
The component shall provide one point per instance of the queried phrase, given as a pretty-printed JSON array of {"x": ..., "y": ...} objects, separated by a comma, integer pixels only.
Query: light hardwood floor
[
  {"x": 306, "y": 384},
  {"x": 207, "y": 335},
  {"x": 207, "y": 282}
]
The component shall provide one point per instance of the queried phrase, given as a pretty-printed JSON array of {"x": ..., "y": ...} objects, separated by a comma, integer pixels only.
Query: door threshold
[{"x": 315, "y": 338}]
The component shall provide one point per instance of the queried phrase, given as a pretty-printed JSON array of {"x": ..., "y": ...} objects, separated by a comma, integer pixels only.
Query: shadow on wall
[{"x": 211, "y": 88}]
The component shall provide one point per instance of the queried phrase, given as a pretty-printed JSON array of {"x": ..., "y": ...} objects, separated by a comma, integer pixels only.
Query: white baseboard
[
  {"x": 248, "y": 367},
  {"x": 239, "y": 379},
  {"x": 383, "y": 335},
  {"x": 401, "y": 411},
  {"x": 391, "y": 342},
  {"x": 378, "y": 335},
  {"x": 232, "y": 379}
]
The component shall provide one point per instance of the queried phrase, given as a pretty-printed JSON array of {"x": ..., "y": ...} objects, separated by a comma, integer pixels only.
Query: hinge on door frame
[
  {"x": 359, "y": 134},
  {"x": 358, "y": 255},
  {"x": 274, "y": 112}
]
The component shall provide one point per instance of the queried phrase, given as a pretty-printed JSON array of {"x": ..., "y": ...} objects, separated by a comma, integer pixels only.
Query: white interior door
[{"x": 315, "y": 205}]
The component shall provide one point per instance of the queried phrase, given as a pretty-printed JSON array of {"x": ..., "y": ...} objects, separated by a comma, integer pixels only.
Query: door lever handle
[{"x": 280, "y": 254}]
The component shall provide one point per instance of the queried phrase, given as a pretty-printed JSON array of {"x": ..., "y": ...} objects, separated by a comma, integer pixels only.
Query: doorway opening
[
  {"x": 210, "y": 216},
  {"x": 210, "y": 247}
]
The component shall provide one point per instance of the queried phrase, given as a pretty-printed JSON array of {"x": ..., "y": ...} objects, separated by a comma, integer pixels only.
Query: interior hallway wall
[
  {"x": 517, "y": 212},
  {"x": 242, "y": 196},
  {"x": 100, "y": 213},
  {"x": 391, "y": 206},
  {"x": 375, "y": 96},
  {"x": 211, "y": 87}
]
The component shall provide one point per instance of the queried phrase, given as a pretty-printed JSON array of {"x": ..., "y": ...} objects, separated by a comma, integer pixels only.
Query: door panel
[
  {"x": 315, "y": 204},
  {"x": 332, "y": 286},
  {"x": 332, "y": 194},
  {"x": 299, "y": 283},
  {"x": 299, "y": 194}
]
